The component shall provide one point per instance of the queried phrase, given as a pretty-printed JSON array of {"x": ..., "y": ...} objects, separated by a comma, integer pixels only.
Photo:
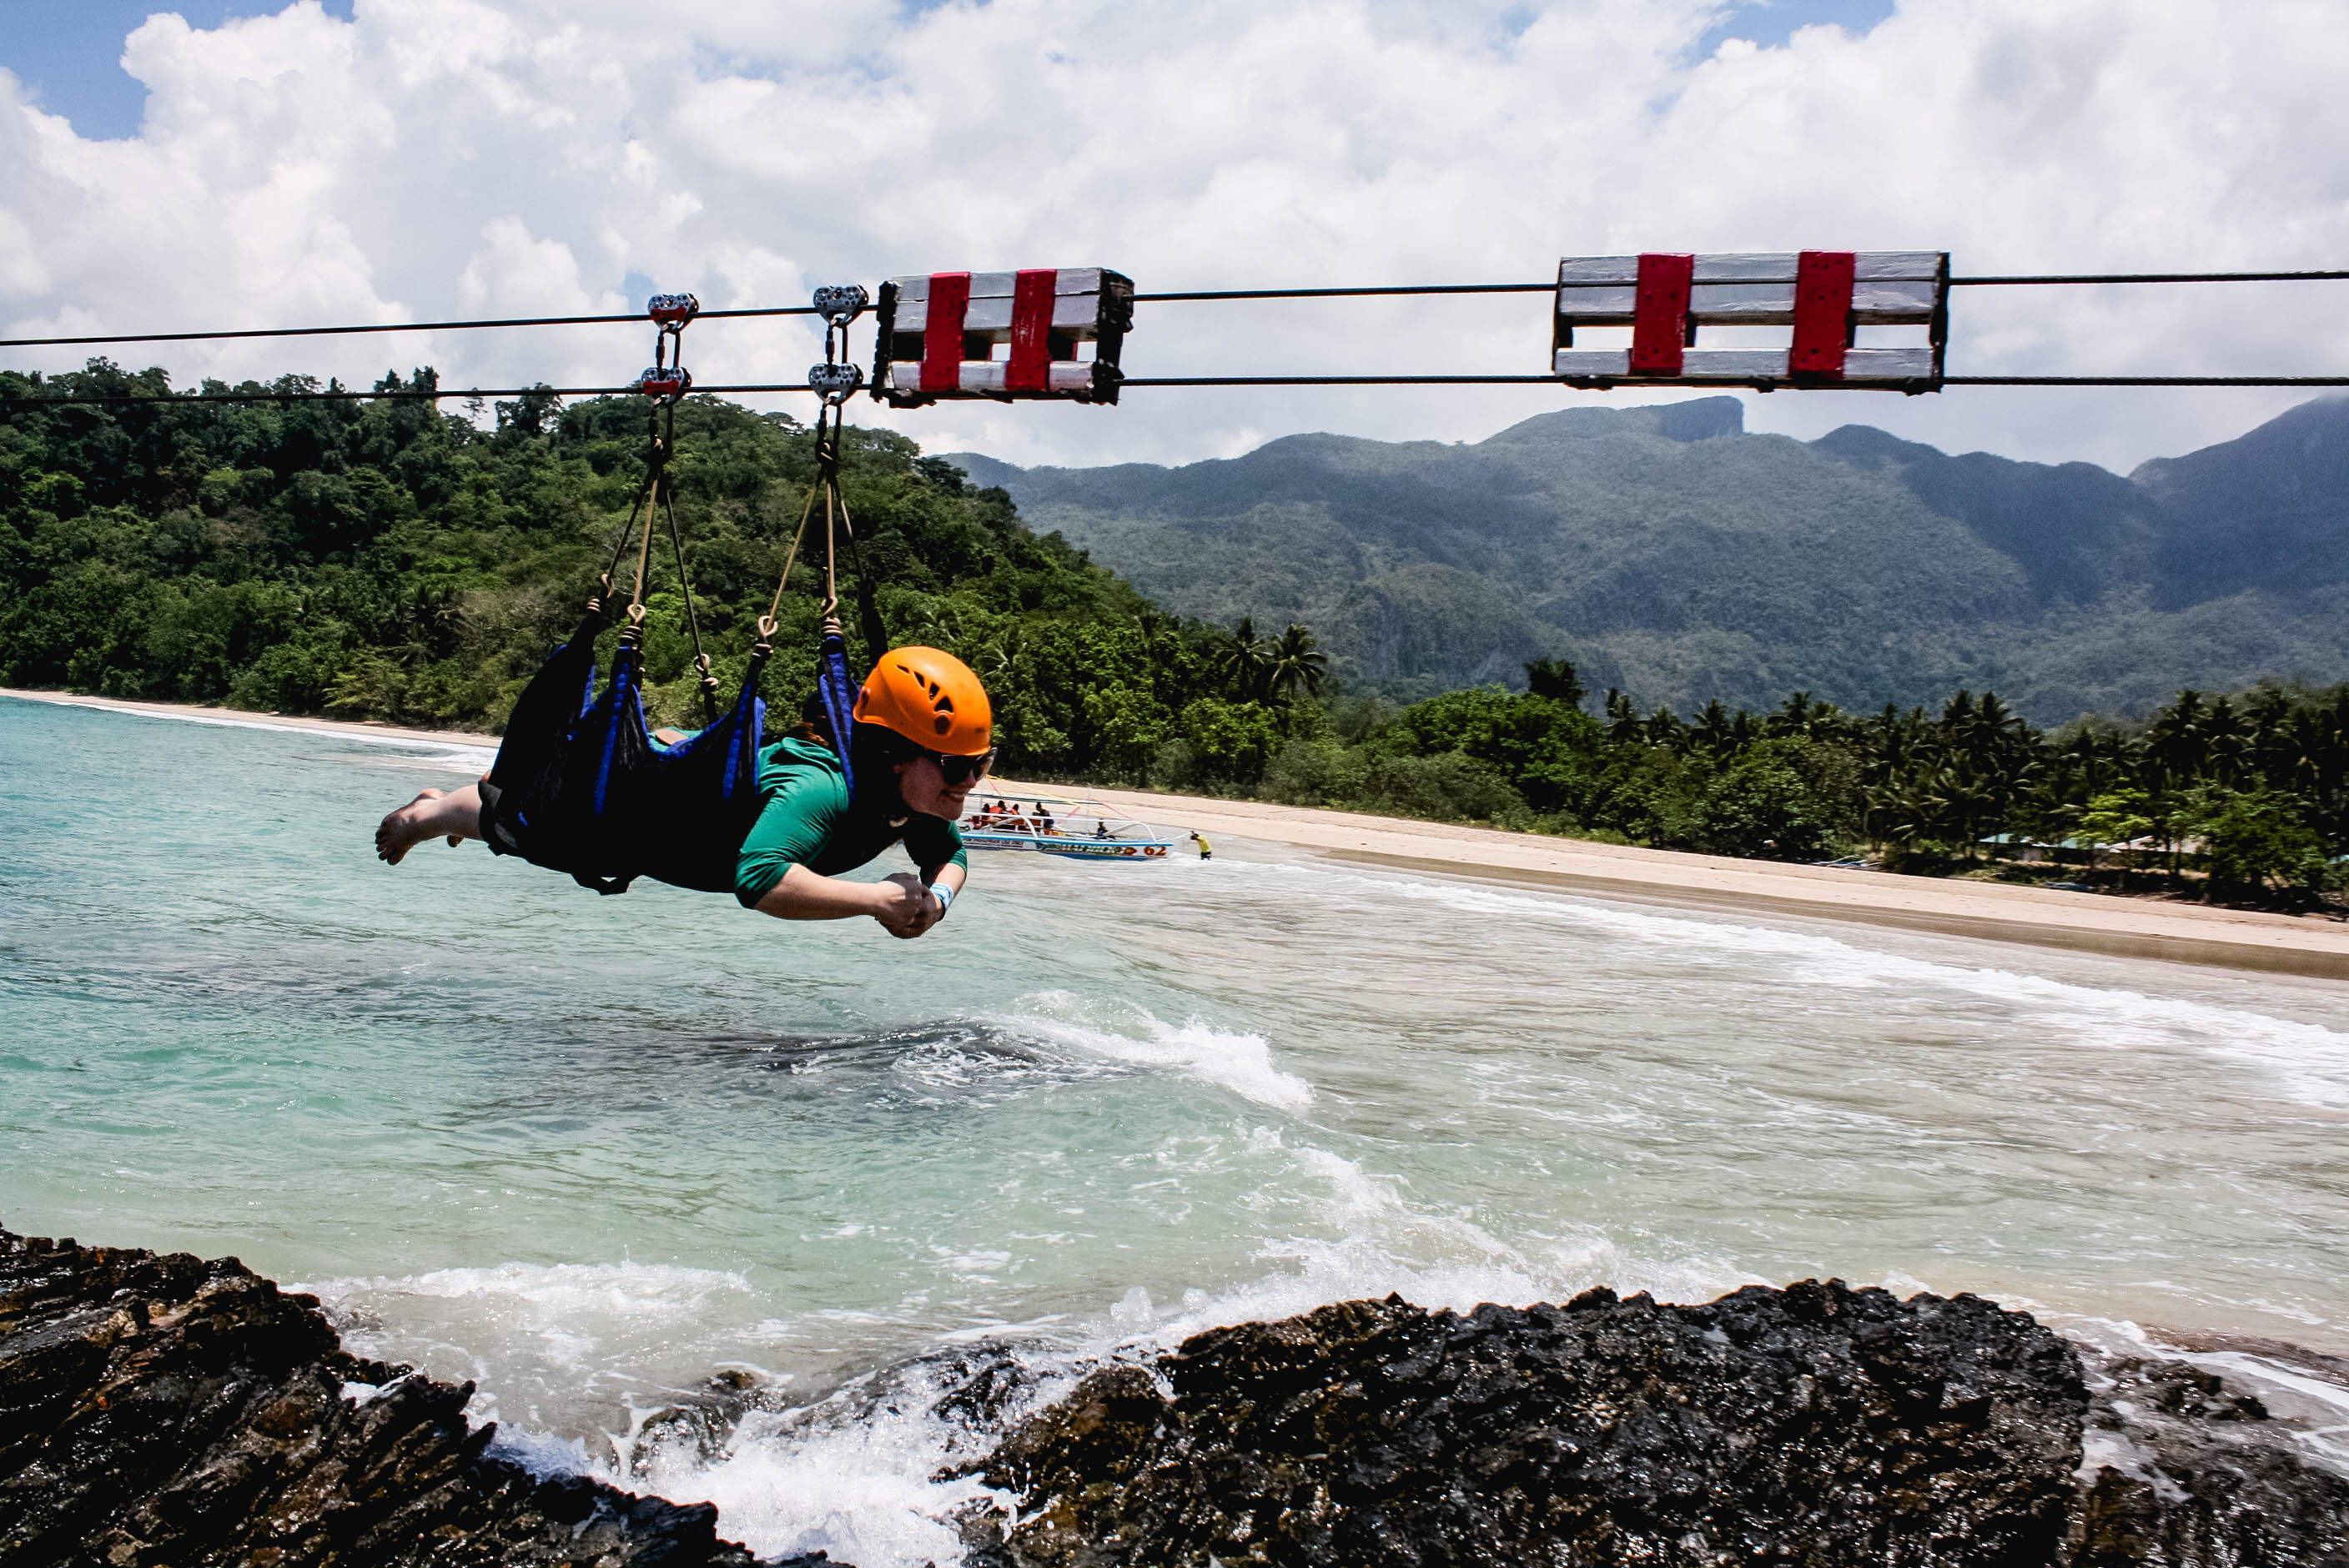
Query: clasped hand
[{"x": 910, "y": 909}]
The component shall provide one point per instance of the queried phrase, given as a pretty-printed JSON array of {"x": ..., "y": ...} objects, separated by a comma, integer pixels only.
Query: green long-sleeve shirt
[{"x": 806, "y": 818}]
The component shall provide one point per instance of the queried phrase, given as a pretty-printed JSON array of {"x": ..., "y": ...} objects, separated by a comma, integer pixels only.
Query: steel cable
[{"x": 1373, "y": 290}]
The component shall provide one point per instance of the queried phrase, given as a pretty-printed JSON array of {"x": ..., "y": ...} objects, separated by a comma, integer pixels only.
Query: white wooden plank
[
  {"x": 1078, "y": 313},
  {"x": 1597, "y": 270},
  {"x": 986, "y": 375},
  {"x": 1861, "y": 365},
  {"x": 1896, "y": 267},
  {"x": 1742, "y": 304},
  {"x": 1592, "y": 362},
  {"x": 1072, "y": 308},
  {"x": 1887, "y": 364},
  {"x": 988, "y": 313},
  {"x": 1755, "y": 267},
  {"x": 1883, "y": 303},
  {"x": 1743, "y": 363},
  {"x": 984, "y": 285},
  {"x": 1780, "y": 267},
  {"x": 1079, "y": 280},
  {"x": 1752, "y": 305},
  {"x": 1606, "y": 299}
]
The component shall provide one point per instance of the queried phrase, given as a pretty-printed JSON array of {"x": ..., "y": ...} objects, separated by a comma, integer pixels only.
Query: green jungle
[{"x": 383, "y": 560}]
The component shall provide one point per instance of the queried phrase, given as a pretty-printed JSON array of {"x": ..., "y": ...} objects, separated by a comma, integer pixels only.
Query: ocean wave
[
  {"x": 1121, "y": 1032},
  {"x": 2308, "y": 1062},
  {"x": 869, "y": 1473}
]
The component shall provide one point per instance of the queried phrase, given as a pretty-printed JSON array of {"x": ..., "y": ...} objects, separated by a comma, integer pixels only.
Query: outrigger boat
[{"x": 1057, "y": 825}]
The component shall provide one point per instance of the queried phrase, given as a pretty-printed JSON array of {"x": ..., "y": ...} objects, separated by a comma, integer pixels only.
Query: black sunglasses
[{"x": 956, "y": 770}]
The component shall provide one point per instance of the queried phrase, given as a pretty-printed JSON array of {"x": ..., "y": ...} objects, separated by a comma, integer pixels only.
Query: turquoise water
[{"x": 588, "y": 1151}]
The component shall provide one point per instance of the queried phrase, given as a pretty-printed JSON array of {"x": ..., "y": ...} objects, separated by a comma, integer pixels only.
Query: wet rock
[
  {"x": 698, "y": 1428},
  {"x": 2184, "y": 1467},
  {"x": 165, "y": 1409},
  {"x": 1816, "y": 1425}
]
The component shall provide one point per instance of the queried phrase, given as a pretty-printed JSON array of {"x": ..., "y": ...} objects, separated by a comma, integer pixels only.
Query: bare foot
[{"x": 405, "y": 828}]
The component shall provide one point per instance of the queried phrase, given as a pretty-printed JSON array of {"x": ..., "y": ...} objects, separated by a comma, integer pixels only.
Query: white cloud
[{"x": 437, "y": 158}]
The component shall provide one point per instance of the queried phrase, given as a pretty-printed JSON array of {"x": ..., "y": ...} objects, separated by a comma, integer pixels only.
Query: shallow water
[{"x": 587, "y": 1150}]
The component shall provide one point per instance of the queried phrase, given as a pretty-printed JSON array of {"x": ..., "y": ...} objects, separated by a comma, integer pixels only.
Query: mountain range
[{"x": 1669, "y": 553}]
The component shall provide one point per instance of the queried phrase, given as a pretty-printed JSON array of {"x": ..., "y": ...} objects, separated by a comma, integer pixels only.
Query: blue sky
[{"x": 69, "y": 51}]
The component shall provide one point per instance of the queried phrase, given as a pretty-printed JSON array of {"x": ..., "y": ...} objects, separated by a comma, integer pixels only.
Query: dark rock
[
  {"x": 2185, "y": 1469},
  {"x": 1816, "y": 1425},
  {"x": 164, "y": 1409}
]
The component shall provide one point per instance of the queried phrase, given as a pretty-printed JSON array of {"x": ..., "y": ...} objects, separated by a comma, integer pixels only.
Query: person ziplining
[
  {"x": 811, "y": 827},
  {"x": 582, "y": 785}
]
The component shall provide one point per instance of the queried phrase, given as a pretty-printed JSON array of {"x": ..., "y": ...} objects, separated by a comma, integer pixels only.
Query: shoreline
[{"x": 2094, "y": 923}]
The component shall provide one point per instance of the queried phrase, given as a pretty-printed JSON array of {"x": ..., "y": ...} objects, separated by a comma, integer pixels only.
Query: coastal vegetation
[
  {"x": 2243, "y": 797},
  {"x": 386, "y": 560}
]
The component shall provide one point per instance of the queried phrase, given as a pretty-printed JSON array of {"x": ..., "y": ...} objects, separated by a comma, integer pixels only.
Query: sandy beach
[{"x": 2241, "y": 939}]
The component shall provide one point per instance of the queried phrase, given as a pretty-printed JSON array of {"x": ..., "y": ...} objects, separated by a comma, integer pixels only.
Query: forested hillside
[
  {"x": 385, "y": 561},
  {"x": 1667, "y": 553}
]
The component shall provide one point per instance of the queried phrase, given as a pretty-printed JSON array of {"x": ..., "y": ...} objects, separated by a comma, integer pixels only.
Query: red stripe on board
[
  {"x": 942, "y": 332},
  {"x": 1660, "y": 314},
  {"x": 1031, "y": 370},
  {"x": 1823, "y": 281}
]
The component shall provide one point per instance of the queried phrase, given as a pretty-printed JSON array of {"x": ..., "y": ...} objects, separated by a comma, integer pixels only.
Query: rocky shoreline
[{"x": 161, "y": 1409}]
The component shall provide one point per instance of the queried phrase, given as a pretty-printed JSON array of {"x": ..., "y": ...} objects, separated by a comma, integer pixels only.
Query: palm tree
[
  {"x": 1241, "y": 658},
  {"x": 2176, "y": 740},
  {"x": 1714, "y": 729},
  {"x": 1622, "y": 717},
  {"x": 1295, "y": 663}
]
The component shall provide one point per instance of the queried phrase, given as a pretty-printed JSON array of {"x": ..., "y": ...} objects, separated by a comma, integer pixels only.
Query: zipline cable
[
  {"x": 1379, "y": 291},
  {"x": 187, "y": 399},
  {"x": 634, "y": 319}
]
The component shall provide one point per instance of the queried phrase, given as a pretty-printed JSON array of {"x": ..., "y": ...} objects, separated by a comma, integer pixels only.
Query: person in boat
[{"x": 922, "y": 738}]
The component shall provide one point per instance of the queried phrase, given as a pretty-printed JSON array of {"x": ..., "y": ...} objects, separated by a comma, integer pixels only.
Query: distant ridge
[{"x": 1673, "y": 555}]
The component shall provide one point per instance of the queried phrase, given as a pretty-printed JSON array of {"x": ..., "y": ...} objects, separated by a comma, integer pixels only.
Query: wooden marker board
[
  {"x": 1006, "y": 335},
  {"x": 1825, "y": 296}
]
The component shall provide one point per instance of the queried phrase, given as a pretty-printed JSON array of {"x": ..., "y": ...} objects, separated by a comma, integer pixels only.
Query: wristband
[{"x": 944, "y": 897}]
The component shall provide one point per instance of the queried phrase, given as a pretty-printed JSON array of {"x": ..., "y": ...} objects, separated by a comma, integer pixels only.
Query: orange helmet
[{"x": 930, "y": 698}]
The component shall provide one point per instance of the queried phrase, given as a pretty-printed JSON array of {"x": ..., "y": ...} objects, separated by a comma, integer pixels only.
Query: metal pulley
[
  {"x": 835, "y": 381},
  {"x": 840, "y": 304},
  {"x": 667, "y": 377}
]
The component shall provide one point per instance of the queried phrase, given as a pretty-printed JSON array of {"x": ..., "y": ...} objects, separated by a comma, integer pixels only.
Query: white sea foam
[
  {"x": 852, "y": 1477},
  {"x": 547, "y": 1294},
  {"x": 2309, "y": 1062},
  {"x": 1232, "y": 1059},
  {"x": 848, "y": 1477},
  {"x": 560, "y": 1323}
]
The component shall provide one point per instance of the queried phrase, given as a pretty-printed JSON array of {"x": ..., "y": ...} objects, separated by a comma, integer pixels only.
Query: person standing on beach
[{"x": 922, "y": 738}]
